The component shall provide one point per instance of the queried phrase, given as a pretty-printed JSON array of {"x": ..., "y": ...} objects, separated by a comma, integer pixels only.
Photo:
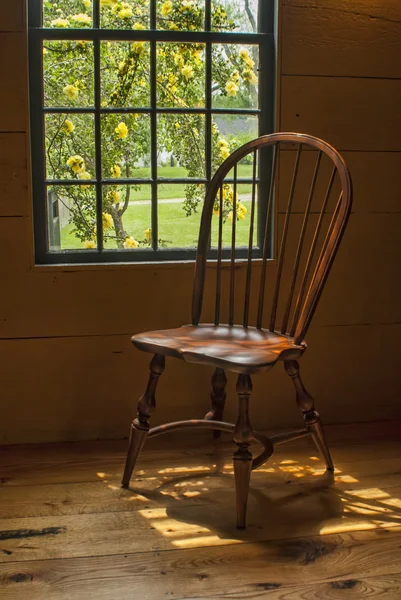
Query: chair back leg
[
  {"x": 141, "y": 425},
  {"x": 218, "y": 398},
  {"x": 311, "y": 416}
]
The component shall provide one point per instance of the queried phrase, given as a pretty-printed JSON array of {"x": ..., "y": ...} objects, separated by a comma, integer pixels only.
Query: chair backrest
[{"x": 304, "y": 221}]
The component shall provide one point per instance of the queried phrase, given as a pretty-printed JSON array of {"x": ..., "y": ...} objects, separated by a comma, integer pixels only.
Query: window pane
[
  {"x": 235, "y": 15},
  {"x": 126, "y": 217},
  {"x": 126, "y": 146},
  {"x": 71, "y": 14},
  {"x": 243, "y": 208},
  {"x": 70, "y": 146},
  {"x": 71, "y": 211},
  {"x": 181, "y": 15},
  {"x": 234, "y": 75},
  {"x": 131, "y": 14},
  {"x": 179, "y": 212},
  {"x": 229, "y": 132},
  {"x": 181, "y": 146},
  {"x": 180, "y": 75},
  {"x": 68, "y": 73},
  {"x": 125, "y": 68}
]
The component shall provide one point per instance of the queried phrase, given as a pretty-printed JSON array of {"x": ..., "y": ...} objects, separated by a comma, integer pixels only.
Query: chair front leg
[
  {"x": 242, "y": 458},
  {"x": 311, "y": 416},
  {"x": 140, "y": 426},
  {"x": 218, "y": 398}
]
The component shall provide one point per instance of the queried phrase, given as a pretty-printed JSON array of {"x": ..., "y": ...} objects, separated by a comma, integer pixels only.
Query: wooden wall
[{"x": 67, "y": 369}]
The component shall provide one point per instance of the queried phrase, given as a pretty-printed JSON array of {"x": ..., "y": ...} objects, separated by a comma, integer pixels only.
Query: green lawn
[
  {"x": 177, "y": 230},
  {"x": 175, "y": 190}
]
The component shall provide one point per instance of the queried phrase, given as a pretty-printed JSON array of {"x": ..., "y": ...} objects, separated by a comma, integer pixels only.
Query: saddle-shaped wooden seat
[{"x": 240, "y": 349}]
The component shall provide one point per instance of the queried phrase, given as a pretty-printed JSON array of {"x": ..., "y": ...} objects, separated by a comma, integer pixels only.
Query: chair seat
[{"x": 240, "y": 349}]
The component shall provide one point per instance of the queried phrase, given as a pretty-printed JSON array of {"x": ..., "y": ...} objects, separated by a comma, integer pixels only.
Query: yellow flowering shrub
[
  {"x": 115, "y": 171},
  {"x": 60, "y": 22},
  {"x": 231, "y": 88},
  {"x": 187, "y": 71},
  {"x": 131, "y": 243},
  {"x": 71, "y": 91},
  {"x": 125, "y": 83},
  {"x": 121, "y": 130},
  {"x": 76, "y": 163},
  {"x": 82, "y": 19},
  {"x": 107, "y": 220},
  {"x": 68, "y": 126}
]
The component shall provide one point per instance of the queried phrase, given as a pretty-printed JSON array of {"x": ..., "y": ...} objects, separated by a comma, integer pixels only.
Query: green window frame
[{"x": 47, "y": 250}]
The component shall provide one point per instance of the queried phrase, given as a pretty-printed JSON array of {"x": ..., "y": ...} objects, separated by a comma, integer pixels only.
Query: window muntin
[{"x": 155, "y": 109}]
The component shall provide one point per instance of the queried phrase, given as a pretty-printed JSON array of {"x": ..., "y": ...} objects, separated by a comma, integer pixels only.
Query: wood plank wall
[{"x": 67, "y": 369}]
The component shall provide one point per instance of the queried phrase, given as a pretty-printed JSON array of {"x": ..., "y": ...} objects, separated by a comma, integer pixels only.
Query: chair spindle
[
  {"x": 280, "y": 261},
  {"x": 219, "y": 253},
  {"x": 250, "y": 246},
  {"x": 232, "y": 267},
  {"x": 300, "y": 245},
  {"x": 266, "y": 241},
  {"x": 308, "y": 266}
]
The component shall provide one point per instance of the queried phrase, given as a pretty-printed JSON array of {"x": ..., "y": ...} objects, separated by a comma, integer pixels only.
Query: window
[{"x": 134, "y": 104}]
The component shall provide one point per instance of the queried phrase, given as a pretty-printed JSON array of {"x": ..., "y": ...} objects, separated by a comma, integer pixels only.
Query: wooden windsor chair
[{"x": 247, "y": 349}]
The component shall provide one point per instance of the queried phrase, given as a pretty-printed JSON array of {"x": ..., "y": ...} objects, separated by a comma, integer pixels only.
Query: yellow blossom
[
  {"x": 125, "y": 13},
  {"x": 71, "y": 91},
  {"x": 216, "y": 209},
  {"x": 84, "y": 175},
  {"x": 231, "y": 88},
  {"x": 173, "y": 26},
  {"x": 87, "y": 3},
  {"x": 113, "y": 196},
  {"x": 107, "y": 220},
  {"x": 108, "y": 2},
  {"x": 130, "y": 243},
  {"x": 148, "y": 234},
  {"x": 68, "y": 126},
  {"x": 60, "y": 22},
  {"x": 178, "y": 59},
  {"x": 89, "y": 244},
  {"x": 115, "y": 171},
  {"x": 167, "y": 7},
  {"x": 244, "y": 55},
  {"x": 187, "y": 71},
  {"x": 121, "y": 130},
  {"x": 187, "y": 5},
  {"x": 45, "y": 51},
  {"x": 230, "y": 216},
  {"x": 138, "y": 47},
  {"x": 225, "y": 152},
  {"x": 251, "y": 76},
  {"x": 82, "y": 18},
  {"x": 222, "y": 142},
  {"x": 76, "y": 163},
  {"x": 241, "y": 211},
  {"x": 138, "y": 26},
  {"x": 235, "y": 77},
  {"x": 177, "y": 125}
]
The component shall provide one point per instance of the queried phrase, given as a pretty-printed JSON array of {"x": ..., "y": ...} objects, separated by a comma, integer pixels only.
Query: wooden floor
[{"x": 69, "y": 532}]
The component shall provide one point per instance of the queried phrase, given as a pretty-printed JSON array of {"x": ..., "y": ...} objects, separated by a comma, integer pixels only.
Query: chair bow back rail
[{"x": 304, "y": 217}]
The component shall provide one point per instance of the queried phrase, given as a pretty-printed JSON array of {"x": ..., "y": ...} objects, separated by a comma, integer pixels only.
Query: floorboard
[{"x": 69, "y": 532}]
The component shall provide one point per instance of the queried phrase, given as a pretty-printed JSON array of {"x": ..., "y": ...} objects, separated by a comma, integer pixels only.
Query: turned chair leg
[
  {"x": 218, "y": 398},
  {"x": 242, "y": 457},
  {"x": 140, "y": 426},
  {"x": 311, "y": 416}
]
